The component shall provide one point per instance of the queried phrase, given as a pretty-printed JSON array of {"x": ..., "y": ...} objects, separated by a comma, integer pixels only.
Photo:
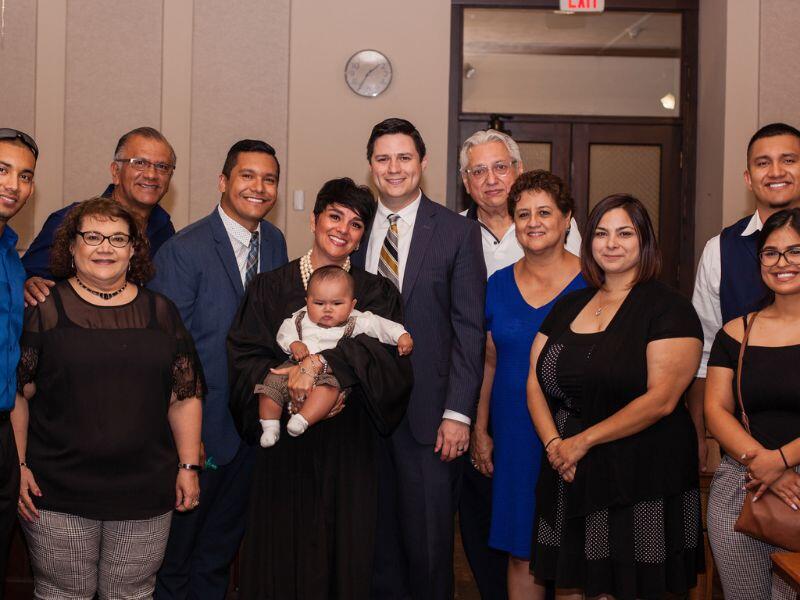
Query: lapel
[
  {"x": 751, "y": 243},
  {"x": 424, "y": 225},
  {"x": 265, "y": 258},
  {"x": 225, "y": 252}
]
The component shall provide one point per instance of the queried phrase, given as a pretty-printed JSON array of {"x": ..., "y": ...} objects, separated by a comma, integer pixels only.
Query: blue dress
[{"x": 517, "y": 455}]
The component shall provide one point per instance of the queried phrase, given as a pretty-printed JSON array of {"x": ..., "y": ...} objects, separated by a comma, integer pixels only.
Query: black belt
[{"x": 4, "y": 415}]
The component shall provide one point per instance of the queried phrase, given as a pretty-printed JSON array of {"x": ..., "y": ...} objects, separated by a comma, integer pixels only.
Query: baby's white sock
[
  {"x": 272, "y": 431},
  {"x": 297, "y": 425}
]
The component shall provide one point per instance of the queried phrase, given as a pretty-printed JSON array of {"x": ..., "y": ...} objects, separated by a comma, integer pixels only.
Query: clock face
[{"x": 368, "y": 73}]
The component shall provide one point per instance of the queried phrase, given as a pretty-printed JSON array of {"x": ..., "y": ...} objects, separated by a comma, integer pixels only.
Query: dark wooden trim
[
  {"x": 540, "y": 49},
  {"x": 610, "y": 120},
  {"x": 630, "y": 5},
  {"x": 456, "y": 70}
]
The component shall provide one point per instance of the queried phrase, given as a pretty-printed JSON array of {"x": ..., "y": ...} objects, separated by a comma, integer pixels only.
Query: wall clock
[{"x": 368, "y": 73}]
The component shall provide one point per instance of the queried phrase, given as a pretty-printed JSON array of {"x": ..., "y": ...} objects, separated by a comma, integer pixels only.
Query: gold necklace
[{"x": 306, "y": 269}]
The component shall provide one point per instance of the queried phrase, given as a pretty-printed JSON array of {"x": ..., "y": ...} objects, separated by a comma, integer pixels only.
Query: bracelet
[
  {"x": 324, "y": 364},
  {"x": 558, "y": 437},
  {"x": 312, "y": 375},
  {"x": 783, "y": 456},
  {"x": 190, "y": 467}
]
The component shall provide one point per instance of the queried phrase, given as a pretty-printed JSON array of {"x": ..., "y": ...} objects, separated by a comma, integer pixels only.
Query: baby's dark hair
[{"x": 330, "y": 273}]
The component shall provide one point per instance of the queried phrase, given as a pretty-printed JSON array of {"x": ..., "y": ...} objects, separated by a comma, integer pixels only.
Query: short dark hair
[
  {"x": 541, "y": 181},
  {"x": 61, "y": 264},
  {"x": 393, "y": 126},
  {"x": 649, "y": 254},
  {"x": 346, "y": 192},
  {"x": 146, "y": 132},
  {"x": 772, "y": 130},
  {"x": 788, "y": 217},
  {"x": 331, "y": 273},
  {"x": 247, "y": 146}
]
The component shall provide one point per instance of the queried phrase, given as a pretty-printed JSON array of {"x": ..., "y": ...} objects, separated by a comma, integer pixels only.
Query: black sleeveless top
[{"x": 99, "y": 442}]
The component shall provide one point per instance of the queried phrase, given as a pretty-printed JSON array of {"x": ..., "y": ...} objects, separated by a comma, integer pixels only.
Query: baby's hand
[
  {"x": 299, "y": 350},
  {"x": 405, "y": 344}
]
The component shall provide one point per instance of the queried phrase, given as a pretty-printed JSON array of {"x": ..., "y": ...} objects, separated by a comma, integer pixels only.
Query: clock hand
[{"x": 363, "y": 81}]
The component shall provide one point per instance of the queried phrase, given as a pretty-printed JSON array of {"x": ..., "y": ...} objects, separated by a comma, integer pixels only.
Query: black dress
[
  {"x": 99, "y": 442},
  {"x": 643, "y": 537},
  {"x": 313, "y": 509}
]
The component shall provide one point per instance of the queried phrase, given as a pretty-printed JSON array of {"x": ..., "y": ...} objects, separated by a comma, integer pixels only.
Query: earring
[{"x": 72, "y": 262}]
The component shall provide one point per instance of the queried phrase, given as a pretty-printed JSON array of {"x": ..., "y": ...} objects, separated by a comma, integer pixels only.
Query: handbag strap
[{"x": 747, "y": 329}]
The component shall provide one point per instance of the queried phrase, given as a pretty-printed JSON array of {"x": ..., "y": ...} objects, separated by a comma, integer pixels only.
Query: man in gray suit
[
  {"x": 204, "y": 270},
  {"x": 434, "y": 256}
]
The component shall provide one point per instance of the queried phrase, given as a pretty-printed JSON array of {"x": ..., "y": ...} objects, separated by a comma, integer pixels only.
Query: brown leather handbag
[{"x": 769, "y": 519}]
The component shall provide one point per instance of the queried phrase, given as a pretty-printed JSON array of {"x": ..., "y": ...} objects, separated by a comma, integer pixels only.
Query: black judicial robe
[{"x": 311, "y": 524}]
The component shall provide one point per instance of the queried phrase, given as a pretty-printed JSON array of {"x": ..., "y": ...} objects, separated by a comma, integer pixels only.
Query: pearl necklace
[
  {"x": 306, "y": 269},
  {"x": 103, "y": 295}
]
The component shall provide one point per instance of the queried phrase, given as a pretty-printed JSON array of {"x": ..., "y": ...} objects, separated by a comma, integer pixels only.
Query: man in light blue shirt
[{"x": 18, "y": 154}]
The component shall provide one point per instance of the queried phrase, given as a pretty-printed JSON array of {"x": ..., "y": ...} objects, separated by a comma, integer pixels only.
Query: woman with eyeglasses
[
  {"x": 108, "y": 413},
  {"x": 765, "y": 459}
]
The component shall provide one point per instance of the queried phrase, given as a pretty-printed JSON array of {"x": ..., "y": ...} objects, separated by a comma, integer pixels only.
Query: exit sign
[{"x": 583, "y": 5}]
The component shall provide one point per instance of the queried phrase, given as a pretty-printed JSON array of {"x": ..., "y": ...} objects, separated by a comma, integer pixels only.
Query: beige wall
[
  {"x": 329, "y": 125},
  {"x": 86, "y": 71}
]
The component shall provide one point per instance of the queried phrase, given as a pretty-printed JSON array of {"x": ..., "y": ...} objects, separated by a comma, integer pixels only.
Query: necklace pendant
[{"x": 598, "y": 311}]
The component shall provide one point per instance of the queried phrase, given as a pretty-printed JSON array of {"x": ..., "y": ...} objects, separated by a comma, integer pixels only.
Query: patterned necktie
[
  {"x": 251, "y": 266},
  {"x": 388, "y": 265}
]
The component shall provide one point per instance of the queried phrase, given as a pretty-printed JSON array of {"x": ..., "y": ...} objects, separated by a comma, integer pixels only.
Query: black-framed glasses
[
  {"x": 95, "y": 238},
  {"x": 500, "y": 169},
  {"x": 770, "y": 257},
  {"x": 142, "y": 164},
  {"x": 6, "y": 133}
]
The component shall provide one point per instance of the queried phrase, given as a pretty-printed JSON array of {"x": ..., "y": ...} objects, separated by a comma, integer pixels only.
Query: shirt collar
[
  {"x": 235, "y": 230},
  {"x": 754, "y": 225},
  {"x": 9, "y": 238},
  {"x": 158, "y": 216},
  {"x": 407, "y": 213}
]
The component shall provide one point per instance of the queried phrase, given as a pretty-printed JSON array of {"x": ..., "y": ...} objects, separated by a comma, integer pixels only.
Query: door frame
[{"x": 687, "y": 119}]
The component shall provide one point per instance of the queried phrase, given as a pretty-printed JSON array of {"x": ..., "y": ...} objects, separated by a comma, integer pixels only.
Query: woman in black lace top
[
  {"x": 618, "y": 504},
  {"x": 108, "y": 414}
]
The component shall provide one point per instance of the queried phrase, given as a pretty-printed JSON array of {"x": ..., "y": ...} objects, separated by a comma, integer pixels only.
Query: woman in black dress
[
  {"x": 313, "y": 511},
  {"x": 771, "y": 452},
  {"x": 617, "y": 498},
  {"x": 108, "y": 429}
]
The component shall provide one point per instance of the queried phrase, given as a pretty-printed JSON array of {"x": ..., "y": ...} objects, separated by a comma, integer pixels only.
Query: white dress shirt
[
  {"x": 240, "y": 242},
  {"x": 318, "y": 338},
  {"x": 500, "y": 253},
  {"x": 405, "y": 229},
  {"x": 706, "y": 290}
]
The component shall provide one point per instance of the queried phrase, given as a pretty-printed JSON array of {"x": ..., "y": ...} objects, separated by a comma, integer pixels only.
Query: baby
[{"x": 329, "y": 315}]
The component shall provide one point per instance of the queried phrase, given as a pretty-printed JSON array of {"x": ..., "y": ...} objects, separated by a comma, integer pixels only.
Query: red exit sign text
[{"x": 583, "y": 5}]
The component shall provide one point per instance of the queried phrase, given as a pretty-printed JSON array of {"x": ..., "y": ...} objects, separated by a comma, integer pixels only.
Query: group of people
[{"x": 170, "y": 398}]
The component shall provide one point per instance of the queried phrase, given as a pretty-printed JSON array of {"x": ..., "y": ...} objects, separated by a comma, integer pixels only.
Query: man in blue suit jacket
[
  {"x": 204, "y": 270},
  {"x": 435, "y": 257}
]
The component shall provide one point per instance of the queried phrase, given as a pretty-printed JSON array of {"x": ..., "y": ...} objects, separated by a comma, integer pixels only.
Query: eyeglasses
[
  {"x": 770, "y": 258},
  {"x": 142, "y": 164},
  {"x": 500, "y": 169},
  {"x": 6, "y": 133},
  {"x": 95, "y": 238}
]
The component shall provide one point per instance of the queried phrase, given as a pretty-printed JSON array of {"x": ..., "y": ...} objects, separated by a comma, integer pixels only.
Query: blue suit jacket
[
  {"x": 197, "y": 270},
  {"x": 444, "y": 288}
]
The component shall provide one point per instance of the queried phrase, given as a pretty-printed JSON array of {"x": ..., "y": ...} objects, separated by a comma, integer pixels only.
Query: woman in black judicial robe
[{"x": 313, "y": 509}]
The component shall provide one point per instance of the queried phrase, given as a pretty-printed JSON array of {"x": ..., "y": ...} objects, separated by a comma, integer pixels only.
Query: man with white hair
[{"x": 490, "y": 163}]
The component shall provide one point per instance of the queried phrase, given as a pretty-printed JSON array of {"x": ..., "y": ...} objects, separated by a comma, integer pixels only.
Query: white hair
[{"x": 484, "y": 137}]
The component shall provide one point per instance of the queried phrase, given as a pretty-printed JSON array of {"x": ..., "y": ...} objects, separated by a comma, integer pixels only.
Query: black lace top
[{"x": 99, "y": 442}]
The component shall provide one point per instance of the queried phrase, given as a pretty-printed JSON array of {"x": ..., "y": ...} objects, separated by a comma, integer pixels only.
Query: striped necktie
[
  {"x": 388, "y": 265},
  {"x": 251, "y": 266}
]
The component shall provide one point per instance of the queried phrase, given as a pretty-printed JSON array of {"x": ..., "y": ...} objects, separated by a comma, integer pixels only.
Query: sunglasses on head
[{"x": 6, "y": 133}]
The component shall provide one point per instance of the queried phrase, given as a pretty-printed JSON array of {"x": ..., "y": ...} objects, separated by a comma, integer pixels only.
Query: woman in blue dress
[{"x": 518, "y": 299}]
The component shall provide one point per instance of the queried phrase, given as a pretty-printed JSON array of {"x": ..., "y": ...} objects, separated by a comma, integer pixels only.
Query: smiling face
[
  {"x": 396, "y": 170},
  {"x": 251, "y": 190},
  {"x": 491, "y": 191},
  {"x": 773, "y": 172},
  {"x": 615, "y": 244},
  {"x": 330, "y": 301},
  {"x": 783, "y": 277},
  {"x": 538, "y": 222},
  {"x": 16, "y": 178},
  {"x": 140, "y": 191},
  {"x": 101, "y": 267},
  {"x": 337, "y": 233}
]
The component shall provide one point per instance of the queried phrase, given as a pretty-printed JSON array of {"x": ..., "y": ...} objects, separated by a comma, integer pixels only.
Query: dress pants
[
  {"x": 427, "y": 499},
  {"x": 203, "y": 542},
  {"x": 9, "y": 491},
  {"x": 489, "y": 566}
]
